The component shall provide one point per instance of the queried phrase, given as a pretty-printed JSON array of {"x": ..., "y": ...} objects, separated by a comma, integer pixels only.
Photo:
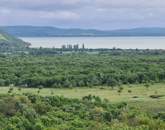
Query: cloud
[
  {"x": 103, "y": 14},
  {"x": 82, "y": 3},
  {"x": 5, "y": 11},
  {"x": 42, "y": 4},
  {"x": 59, "y": 15},
  {"x": 131, "y": 3}
]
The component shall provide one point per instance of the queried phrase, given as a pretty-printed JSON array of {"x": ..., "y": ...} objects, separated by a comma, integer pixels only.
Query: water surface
[{"x": 99, "y": 42}]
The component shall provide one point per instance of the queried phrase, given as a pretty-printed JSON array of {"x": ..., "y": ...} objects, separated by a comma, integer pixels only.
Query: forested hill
[
  {"x": 8, "y": 42},
  {"x": 36, "y": 31}
]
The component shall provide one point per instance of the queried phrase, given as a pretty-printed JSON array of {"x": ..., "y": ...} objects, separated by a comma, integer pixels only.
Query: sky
[{"x": 94, "y": 14}]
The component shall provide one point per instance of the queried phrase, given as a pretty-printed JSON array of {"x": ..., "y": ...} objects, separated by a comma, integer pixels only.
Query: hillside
[
  {"x": 8, "y": 42},
  {"x": 36, "y": 31},
  {"x": 33, "y": 31}
]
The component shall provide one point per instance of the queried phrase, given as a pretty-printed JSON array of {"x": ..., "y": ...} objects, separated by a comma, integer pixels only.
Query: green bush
[{"x": 30, "y": 112}]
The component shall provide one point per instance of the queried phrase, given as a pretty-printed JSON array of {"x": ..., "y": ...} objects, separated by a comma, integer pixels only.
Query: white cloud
[
  {"x": 83, "y": 13},
  {"x": 59, "y": 15},
  {"x": 41, "y": 4},
  {"x": 5, "y": 11},
  {"x": 131, "y": 3}
]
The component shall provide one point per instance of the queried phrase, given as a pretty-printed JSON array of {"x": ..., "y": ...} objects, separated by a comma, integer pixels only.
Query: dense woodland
[{"x": 82, "y": 69}]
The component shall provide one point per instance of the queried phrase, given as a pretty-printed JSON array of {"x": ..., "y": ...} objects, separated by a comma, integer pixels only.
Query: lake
[{"x": 99, "y": 42}]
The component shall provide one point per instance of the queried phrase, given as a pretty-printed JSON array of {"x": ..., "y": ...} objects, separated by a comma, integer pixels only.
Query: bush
[{"x": 30, "y": 112}]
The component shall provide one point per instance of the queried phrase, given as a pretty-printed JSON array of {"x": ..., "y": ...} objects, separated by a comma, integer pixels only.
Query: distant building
[
  {"x": 63, "y": 46},
  {"x": 73, "y": 47},
  {"x": 83, "y": 46},
  {"x": 76, "y": 46}
]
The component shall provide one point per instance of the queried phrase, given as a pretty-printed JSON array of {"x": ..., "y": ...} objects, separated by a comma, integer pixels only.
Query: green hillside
[
  {"x": 2, "y": 37},
  {"x": 8, "y": 42}
]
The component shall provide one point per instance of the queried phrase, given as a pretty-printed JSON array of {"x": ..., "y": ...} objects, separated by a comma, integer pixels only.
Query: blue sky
[{"x": 98, "y": 14}]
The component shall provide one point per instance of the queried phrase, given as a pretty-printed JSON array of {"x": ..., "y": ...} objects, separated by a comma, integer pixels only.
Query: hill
[
  {"x": 41, "y": 31},
  {"x": 9, "y": 42}
]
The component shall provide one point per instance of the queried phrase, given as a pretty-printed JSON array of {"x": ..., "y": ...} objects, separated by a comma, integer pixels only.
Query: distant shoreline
[
  {"x": 83, "y": 36},
  {"x": 41, "y": 31}
]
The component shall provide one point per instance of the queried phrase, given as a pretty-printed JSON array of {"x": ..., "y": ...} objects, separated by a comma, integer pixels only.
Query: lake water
[{"x": 99, "y": 42}]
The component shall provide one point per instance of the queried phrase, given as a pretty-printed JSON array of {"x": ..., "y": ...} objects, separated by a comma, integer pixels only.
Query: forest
[{"x": 82, "y": 69}]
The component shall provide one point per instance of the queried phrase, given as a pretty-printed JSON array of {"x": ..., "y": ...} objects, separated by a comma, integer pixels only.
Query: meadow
[{"x": 148, "y": 98}]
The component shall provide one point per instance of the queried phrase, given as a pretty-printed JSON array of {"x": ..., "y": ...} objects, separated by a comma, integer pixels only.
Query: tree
[
  {"x": 147, "y": 85},
  {"x": 120, "y": 90},
  {"x": 38, "y": 91},
  {"x": 52, "y": 92},
  {"x": 11, "y": 89},
  {"x": 19, "y": 89},
  {"x": 129, "y": 91}
]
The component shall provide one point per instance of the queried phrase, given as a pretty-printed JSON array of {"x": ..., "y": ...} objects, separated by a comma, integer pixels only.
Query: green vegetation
[
  {"x": 9, "y": 43},
  {"x": 140, "y": 91},
  {"x": 82, "y": 89},
  {"x": 2, "y": 37},
  {"x": 82, "y": 70},
  {"x": 30, "y": 112},
  {"x": 140, "y": 96}
]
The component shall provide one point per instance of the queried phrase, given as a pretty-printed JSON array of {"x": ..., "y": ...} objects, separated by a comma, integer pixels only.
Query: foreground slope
[{"x": 30, "y": 112}]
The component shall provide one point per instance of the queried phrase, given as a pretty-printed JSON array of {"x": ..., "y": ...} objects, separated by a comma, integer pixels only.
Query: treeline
[
  {"x": 30, "y": 112},
  {"x": 70, "y": 49},
  {"x": 67, "y": 49},
  {"x": 81, "y": 70}
]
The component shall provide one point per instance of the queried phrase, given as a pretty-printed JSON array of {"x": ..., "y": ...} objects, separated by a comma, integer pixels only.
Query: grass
[
  {"x": 141, "y": 92},
  {"x": 139, "y": 95}
]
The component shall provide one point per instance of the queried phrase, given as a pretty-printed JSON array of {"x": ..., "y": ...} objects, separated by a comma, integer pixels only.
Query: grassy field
[
  {"x": 139, "y": 95},
  {"x": 138, "y": 92}
]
